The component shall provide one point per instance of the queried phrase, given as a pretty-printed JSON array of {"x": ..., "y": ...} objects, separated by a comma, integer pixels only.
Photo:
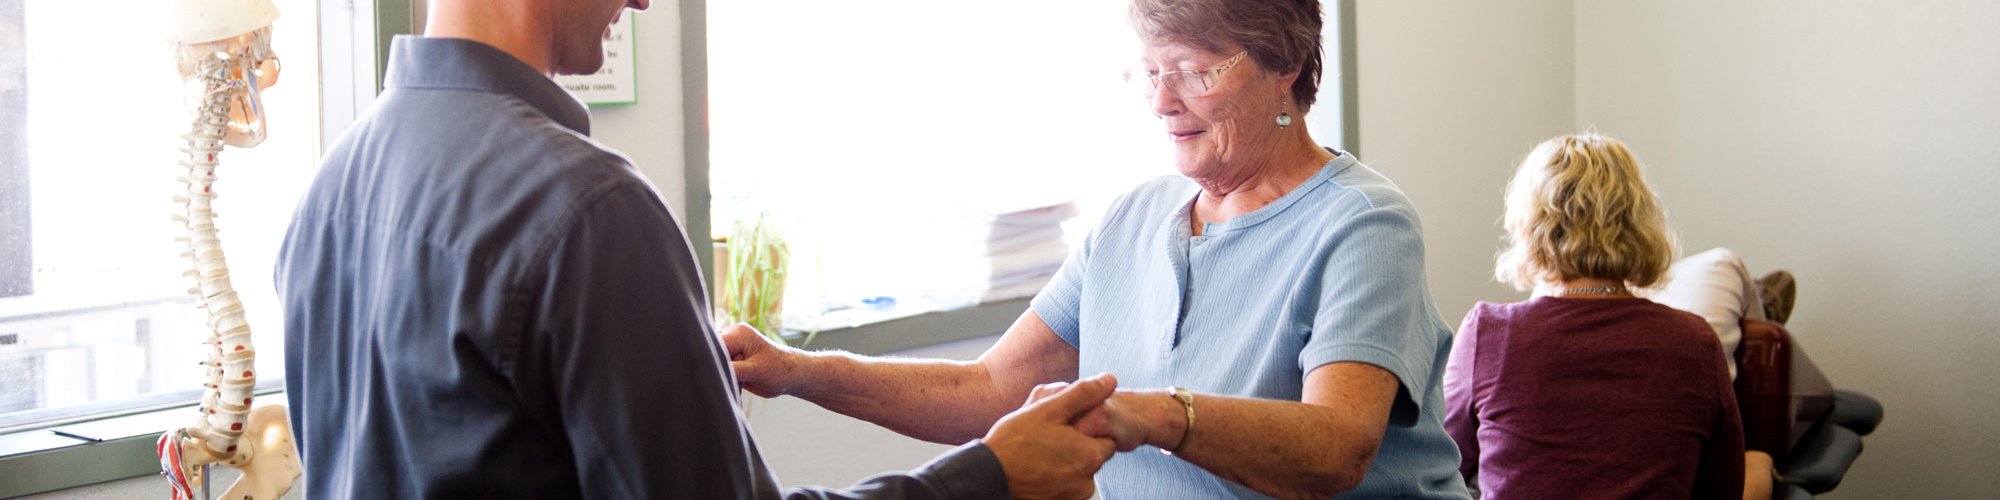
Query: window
[
  {"x": 890, "y": 140},
  {"x": 93, "y": 306},
  {"x": 14, "y": 263}
]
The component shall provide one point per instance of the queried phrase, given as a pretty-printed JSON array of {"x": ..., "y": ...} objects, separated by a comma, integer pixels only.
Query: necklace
[{"x": 1600, "y": 290}]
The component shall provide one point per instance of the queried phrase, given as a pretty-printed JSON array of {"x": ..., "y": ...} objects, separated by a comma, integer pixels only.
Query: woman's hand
[
  {"x": 1130, "y": 417},
  {"x": 762, "y": 367}
]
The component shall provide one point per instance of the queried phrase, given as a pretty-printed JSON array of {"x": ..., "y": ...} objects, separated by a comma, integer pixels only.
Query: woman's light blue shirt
[{"x": 1332, "y": 271}]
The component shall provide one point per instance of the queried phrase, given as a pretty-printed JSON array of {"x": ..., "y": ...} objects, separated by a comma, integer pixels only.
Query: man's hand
[
  {"x": 1130, "y": 418},
  {"x": 762, "y": 367},
  {"x": 1041, "y": 450}
]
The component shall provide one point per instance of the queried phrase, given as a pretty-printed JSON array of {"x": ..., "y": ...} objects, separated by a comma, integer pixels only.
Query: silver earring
[{"x": 1284, "y": 117}]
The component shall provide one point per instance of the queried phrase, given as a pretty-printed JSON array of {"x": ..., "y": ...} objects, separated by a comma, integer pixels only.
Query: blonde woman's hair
[{"x": 1577, "y": 208}]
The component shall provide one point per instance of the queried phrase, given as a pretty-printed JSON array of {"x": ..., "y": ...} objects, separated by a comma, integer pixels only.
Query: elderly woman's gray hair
[{"x": 1280, "y": 35}]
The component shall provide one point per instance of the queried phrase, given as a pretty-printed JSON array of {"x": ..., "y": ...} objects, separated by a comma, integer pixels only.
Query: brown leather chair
[
  {"x": 1781, "y": 393},
  {"x": 1786, "y": 403}
]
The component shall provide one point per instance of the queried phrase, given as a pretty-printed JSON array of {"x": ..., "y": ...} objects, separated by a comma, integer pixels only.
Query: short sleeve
[
  {"x": 1061, "y": 302},
  {"x": 1373, "y": 306}
]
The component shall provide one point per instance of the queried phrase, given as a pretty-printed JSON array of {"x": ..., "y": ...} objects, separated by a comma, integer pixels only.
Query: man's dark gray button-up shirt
[{"x": 480, "y": 301}]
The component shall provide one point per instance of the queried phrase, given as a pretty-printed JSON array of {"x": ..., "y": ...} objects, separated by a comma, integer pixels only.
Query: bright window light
[
  {"x": 884, "y": 137},
  {"x": 92, "y": 124}
]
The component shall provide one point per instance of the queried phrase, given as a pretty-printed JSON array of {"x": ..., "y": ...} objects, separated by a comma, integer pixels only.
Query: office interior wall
[
  {"x": 1856, "y": 144},
  {"x": 1452, "y": 95}
]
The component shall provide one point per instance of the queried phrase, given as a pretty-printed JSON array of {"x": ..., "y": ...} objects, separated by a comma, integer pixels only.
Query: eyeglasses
[{"x": 1183, "y": 83}]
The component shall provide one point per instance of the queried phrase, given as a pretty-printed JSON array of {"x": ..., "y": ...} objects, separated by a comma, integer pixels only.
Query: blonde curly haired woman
[{"x": 1584, "y": 390}]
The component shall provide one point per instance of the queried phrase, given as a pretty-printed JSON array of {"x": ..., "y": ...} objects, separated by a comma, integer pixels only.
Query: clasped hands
[{"x": 1050, "y": 447}]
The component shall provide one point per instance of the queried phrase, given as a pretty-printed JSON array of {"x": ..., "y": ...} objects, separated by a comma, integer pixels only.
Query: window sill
[
  {"x": 77, "y": 454},
  {"x": 919, "y": 330}
]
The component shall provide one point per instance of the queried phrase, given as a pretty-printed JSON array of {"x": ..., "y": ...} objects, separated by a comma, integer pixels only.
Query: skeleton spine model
[
  {"x": 224, "y": 56},
  {"x": 230, "y": 367},
  {"x": 231, "y": 357}
]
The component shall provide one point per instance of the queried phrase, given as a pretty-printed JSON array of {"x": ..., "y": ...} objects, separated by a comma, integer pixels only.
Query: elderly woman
[
  {"x": 1586, "y": 391},
  {"x": 1272, "y": 299}
]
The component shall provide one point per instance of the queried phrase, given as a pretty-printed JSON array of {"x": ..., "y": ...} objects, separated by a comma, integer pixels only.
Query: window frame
[
  {"x": 118, "y": 444},
  {"x": 16, "y": 270}
]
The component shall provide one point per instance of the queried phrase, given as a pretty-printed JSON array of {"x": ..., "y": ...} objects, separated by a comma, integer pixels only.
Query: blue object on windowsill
[{"x": 880, "y": 303}]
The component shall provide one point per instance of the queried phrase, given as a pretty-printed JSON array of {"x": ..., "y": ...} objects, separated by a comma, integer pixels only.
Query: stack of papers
[{"x": 1024, "y": 248}]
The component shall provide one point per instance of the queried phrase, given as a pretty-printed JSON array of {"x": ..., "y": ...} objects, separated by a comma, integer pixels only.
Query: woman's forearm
[
  {"x": 1286, "y": 449},
  {"x": 935, "y": 400},
  {"x": 1314, "y": 448}
]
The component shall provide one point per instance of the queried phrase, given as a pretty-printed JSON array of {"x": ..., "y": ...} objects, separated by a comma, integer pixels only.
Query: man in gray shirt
[{"x": 480, "y": 301}]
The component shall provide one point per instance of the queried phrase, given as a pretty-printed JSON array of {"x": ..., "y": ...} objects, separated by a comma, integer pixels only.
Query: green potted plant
[{"x": 752, "y": 288}]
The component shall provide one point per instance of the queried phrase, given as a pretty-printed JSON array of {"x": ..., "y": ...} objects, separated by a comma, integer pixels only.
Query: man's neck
[{"x": 518, "y": 28}]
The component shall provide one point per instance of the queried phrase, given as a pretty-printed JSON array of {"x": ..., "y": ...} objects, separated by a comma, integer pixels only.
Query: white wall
[
  {"x": 1856, "y": 144},
  {"x": 1453, "y": 94}
]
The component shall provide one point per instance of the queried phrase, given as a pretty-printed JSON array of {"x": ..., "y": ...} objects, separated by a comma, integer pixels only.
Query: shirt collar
[{"x": 460, "y": 64}]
